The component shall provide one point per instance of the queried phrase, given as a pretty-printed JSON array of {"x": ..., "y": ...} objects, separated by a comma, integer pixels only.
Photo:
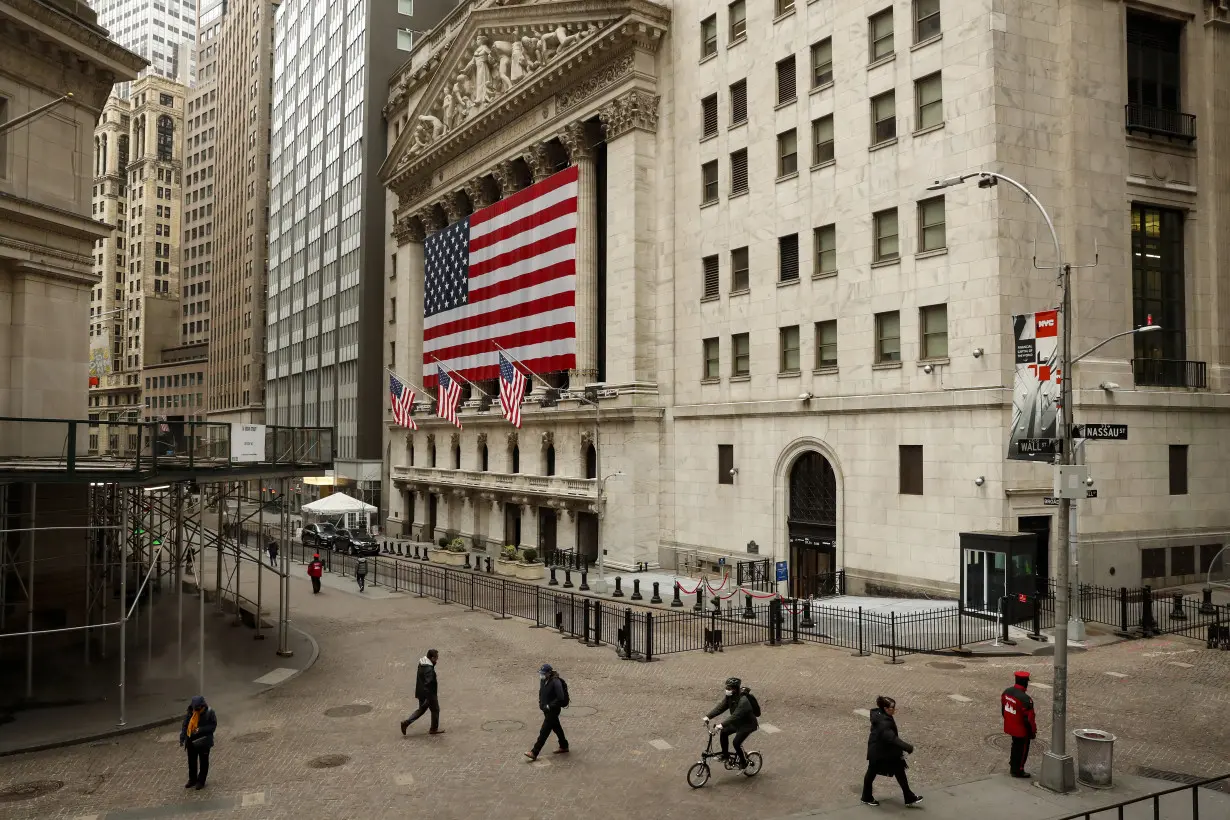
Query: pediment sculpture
[{"x": 497, "y": 62}]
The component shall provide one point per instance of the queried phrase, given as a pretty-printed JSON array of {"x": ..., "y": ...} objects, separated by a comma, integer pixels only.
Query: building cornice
[{"x": 56, "y": 31}]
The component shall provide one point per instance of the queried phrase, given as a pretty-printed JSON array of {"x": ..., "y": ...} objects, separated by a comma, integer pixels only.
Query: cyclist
[{"x": 742, "y": 722}]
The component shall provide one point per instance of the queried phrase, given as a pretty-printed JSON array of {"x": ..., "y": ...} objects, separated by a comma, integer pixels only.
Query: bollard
[
  {"x": 1035, "y": 633},
  {"x": 1206, "y": 602},
  {"x": 676, "y": 601},
  {"x": 636, "y": 590},
  {"x": 700, "y": 601},
  {"x": 468, "y": 561},
  {"x": 1177, "y": 614},
  {"x": 656, "y": 599},
  {"x": 794, "y": 622},
  {"x": 807, "y": 622},
  {"x": 626, "y": 638},
  {"x": 554, "y": 582},
  {"x": 1147, "y": 623},
  {"x": 748, "y": 613},
  {"x": 567, "y": 579},
  {"x": 488, "y": 564},
  {"x": 619, "y": 590},
  {"x": 584, "y": 582}
]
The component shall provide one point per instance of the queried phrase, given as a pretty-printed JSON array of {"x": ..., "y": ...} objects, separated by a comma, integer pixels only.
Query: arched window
[
  {"x": 551, "y": 459},
  {"x": 591, "y": 462},
  {"x": 97, "y": 156},
  {"x": 516, "y": 459},
  {"x": 166, "y": 137},
  {"x": 103, "y": 170},
  {"x": 813, "y": 491}
]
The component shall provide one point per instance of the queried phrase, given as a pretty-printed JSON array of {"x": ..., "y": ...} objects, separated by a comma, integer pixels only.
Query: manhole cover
[
  {"x": 503, "y": 726},
  {"x": 328, "y": 761},
  {"x": 253, "y": 737},
  {"x": 1003, "y": 743},
  {"x": 29, "y": 791},
  {"x": 581, "y": 711},
  {"x": 351, "y": 710},
  {"x": 945, "y": 665}
]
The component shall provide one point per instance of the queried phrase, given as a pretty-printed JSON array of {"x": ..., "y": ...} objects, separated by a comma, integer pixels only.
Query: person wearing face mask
[
  {"x": 552, "y": 697},
  {"x": 744, "y": 710}
]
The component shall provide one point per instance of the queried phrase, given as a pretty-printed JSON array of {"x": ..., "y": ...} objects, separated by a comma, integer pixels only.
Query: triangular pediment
[{"x": 494, "y": 54}]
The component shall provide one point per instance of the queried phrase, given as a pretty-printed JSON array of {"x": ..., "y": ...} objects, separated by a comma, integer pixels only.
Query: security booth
[{"x": 998, "y": 565}]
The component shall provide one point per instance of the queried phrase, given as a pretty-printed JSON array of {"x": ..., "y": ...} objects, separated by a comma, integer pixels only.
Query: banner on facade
[
  {"x": 247, "y": 442},
  {"x": 1036, "y": 412}
]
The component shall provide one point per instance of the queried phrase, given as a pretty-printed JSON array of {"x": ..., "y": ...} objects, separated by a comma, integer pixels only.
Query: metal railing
[
  {"x": 566, "y": 559},
  {"x": 1161, "y": 121},
  {"x": 1170, "y": 373},
  {"x": 1141, "y": 611},
  {"x": 1177, "y": 807}
]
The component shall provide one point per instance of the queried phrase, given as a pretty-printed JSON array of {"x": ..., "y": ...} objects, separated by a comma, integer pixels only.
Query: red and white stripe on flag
[
  {"x": 512, "y": 391},
  {"x": 401, "y": 398},
  {"x": 506, "y": 276},
  {"x": 448, "y": 393}
]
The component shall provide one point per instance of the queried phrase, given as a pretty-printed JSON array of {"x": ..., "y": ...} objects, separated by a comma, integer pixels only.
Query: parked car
[
  {"x": 320, "y": 535},
  {"x": 356, "y": 542}
]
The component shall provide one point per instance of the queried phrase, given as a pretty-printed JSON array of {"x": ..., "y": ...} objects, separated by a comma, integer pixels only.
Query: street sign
[
  {"x": 1103, "y": 432},
  {"x": 1091, "y": 493},
  {"x": 782, "y": 572},
  {"x": 1029, "y": 447},
  {"x": 1050, "y": 501}
]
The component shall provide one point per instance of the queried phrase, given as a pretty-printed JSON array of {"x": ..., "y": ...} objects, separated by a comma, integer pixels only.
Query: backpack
[
  {"x": 754, "y": 702},
  {"x": 566, "y": 699}
]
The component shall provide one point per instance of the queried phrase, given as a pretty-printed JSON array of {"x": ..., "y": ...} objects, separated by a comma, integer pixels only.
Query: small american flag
[
  {"x": 512, "y": 391},
  {"x": 163, "y": 427},
  {"x": 402, "y": 400},
  {"x": 504, "y": 277},
  {"x": 449, "y": 393}
]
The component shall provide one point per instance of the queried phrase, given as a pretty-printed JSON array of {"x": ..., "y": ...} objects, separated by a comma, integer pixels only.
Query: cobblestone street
[{"x": 634, "y": 728}]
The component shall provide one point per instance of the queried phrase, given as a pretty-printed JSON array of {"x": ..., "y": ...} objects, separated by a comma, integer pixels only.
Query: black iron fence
[
  {"x": 1142, "y": 611},
  {"x": 566, "y": 559},
  {"x": 1185, "y": 801}
]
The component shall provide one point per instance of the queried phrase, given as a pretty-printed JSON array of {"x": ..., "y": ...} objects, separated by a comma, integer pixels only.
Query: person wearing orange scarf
[{"x": 197, "y": 736}]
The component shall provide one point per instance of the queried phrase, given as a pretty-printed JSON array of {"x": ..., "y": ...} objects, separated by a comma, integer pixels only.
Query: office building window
[
  {"x": 738, "y": 102},
  {"x": 787, "y": 153},
  {"x": 708, "y": 36},
  {"x": 788, "y": 345},
  {"x": 929, "y": 101},
  {"x": 788, "y": 258},
  {"x": 825, "y": 238},
  {"x": 886, "y": 244},
  {"x": 1158, "y": 287},
  {"x": 709, "y": 116},
  {"x": 709, "y": 182},
  {"x": 826, "y": 344},
  {"x": 738, "y": 172},
  {"x": 739, "y": 270},
  {"x": 933, "y": 327},
  {"x": 783, "y": 6},
  {"x": 405, "y": 7},
  {"x": 737, "y": 13},
  {"x": 1154, "y": 48},
  {"x": 710, "y": 351},
  {"x": 926, "y": 19},
  {"x": 822, "y": 141},
  {"x": 1178, "y": 469},
  {"x": 910, "y": 469},
  {"x": 709, "y": 271},
  {"x": 405, "y": 39},
  {"x": 741, "y": 355},
  {"x": 932, "y": 235},
  {"x": 880, "y": 28},
  {"x": 822, "y": 63},
  {"x": 787, "y": 89},
  {"x": 883, "y": 117},
  {"x": 888, "y": 337}
]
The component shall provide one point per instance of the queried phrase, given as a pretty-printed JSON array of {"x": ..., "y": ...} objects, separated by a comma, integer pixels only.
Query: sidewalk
[{"x": 1003, "y": 798}]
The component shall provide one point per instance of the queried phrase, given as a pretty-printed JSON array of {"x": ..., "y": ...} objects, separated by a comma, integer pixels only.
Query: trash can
[{"x": 1095, "y": 757}]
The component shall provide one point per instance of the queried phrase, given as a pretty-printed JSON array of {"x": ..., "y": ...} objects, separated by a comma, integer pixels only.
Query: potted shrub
[
  {"x": 529, "y": 568},
  {"x": 452, "y": 553},
  {"x": 506, "y": 564}
]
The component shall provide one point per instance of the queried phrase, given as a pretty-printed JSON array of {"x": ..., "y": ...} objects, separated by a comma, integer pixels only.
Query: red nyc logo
[{"x": 1046, "y": 323}]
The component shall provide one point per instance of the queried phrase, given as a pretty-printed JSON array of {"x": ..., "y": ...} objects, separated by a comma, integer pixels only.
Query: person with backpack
[
  {"x": 744, "y": 711},
  {"x": 552, "y": 697},
  {"x": 360, "y": 572},
  {"x": 314, "y": 570}
]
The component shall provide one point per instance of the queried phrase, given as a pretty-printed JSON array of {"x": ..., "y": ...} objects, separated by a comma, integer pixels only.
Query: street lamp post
[{"x": 1058, "y": 769}]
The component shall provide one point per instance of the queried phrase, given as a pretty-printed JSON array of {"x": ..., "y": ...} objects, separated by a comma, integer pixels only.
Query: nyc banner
[{"x": 1036, "y": 413}]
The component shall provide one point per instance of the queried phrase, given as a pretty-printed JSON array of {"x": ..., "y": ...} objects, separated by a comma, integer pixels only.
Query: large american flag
[
  {"x": 402, "y": 400},
  {"x": 448, "y": 394},
  {"x": 512, "y": 391},
  {"x": 505, "y": 275}
]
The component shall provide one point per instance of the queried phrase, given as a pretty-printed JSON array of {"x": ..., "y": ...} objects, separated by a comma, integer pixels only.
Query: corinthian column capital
[
  {"x": 635, "y": 109},
  {"x": 576, "y": 142}
]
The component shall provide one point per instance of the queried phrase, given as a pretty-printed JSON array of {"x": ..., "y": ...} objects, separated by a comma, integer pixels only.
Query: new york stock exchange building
[{"x": 702, "y": 232}]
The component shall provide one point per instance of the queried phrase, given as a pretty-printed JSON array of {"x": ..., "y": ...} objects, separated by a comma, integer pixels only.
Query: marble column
[
  {"x": 629, "y": 122},
  {"x": 566, "y": 531},
  {"x": 538, "y": 158},
  {"x": 407, "y": 289},
  {"x": 420, "y": 514},
  {"x": 580, "y": 153},
  {"x": 529, "y": 526}
]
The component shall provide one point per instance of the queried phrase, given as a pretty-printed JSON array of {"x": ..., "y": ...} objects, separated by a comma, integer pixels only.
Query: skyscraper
[
  {"x": 162, "y": 31},
  {"x": 332, "y": 63}
]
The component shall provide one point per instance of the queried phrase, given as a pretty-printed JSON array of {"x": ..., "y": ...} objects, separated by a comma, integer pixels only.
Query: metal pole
[
  {"x": 198, "y": 569},
  {"x": 179, "y": 578},
  {"x": 1076, "y": 625},
  {"x": 218, "y": 536},
  {"x": 30, "y": 597},
  {"x": 238, "y": 546},
  {"x": 600, "y": 585},
  {"x": 123, "y": 598},
  {"x": 284, "y": 604},
  {"x": 90, "y": 535},
  {"x": 260, "y": 561}
]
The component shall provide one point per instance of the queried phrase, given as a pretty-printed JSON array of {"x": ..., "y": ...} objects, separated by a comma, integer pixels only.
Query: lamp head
[
  {"x": 808, "y": 396},
  {"x": 946, "y": 182},
  {"x": 979, "y": 481}
]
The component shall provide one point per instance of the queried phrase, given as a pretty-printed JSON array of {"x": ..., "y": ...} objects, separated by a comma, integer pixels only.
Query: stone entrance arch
[{"x": 809, "y": 505}]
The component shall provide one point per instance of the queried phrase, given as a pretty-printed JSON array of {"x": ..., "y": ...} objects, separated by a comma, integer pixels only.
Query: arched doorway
[{"x": 812, "y": 523}]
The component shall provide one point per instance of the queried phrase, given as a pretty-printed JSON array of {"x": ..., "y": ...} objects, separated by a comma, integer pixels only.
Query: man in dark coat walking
[
  {"x": 552, "y": 697},
  {"x": 886, "y": 753},
  {"x": 273, "y": 553},
  {"x": 426, "y": 691},
  {"x": 1019, "y": 722},
  {"x": 197, "y": 736}
]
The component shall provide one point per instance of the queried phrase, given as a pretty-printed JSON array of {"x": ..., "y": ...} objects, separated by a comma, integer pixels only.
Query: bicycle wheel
[
  {"x": 698, "y": 775},
  {"x": 754, "y": 762}
]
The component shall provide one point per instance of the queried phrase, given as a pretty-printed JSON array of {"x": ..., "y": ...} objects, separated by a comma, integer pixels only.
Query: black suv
[
  {"x": 356, "y": 542},
  {"x": 320, "y": 535}
]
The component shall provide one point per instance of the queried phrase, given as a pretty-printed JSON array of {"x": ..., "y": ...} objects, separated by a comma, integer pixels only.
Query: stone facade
[{"x": 723, "y": 214}]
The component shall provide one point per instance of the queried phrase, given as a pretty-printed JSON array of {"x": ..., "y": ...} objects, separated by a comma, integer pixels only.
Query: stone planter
[
  {"x": 506, "y": 568},
  {"x": 531, "y": 572},
  {"x": 448, "y": 559}
]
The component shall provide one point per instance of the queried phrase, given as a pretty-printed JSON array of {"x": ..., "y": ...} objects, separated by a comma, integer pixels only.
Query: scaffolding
[{"x": 142, "y": 537}]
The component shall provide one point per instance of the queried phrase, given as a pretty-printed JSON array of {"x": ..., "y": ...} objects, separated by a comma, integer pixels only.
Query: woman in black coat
[{"x": 886, "y": 753}]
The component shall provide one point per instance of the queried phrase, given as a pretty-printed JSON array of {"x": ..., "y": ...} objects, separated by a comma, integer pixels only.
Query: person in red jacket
[
  {"x": 1019, "y": 722},
  {"x": 315, "y": 570}
]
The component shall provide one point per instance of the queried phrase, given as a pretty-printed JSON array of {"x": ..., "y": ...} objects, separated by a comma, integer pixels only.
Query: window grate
[
  {"x": 738, "y": 172},
  {"x": 788, "y": 258},
  {"x": 709, "y": 267},
  {"x": 787, "y": 90},
  {"x": 709, "y": 115},
  {"x": 738, "y": 102}
]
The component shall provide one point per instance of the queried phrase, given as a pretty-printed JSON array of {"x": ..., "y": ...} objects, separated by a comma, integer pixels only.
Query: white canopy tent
[{"x": 342, "y": 509}]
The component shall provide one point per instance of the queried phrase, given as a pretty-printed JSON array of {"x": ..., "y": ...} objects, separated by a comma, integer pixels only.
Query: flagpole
[
  {"x": 463, "y": 378},
  {"x": 524, "y": 367},
  {"x": 418, "y": 387}
]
